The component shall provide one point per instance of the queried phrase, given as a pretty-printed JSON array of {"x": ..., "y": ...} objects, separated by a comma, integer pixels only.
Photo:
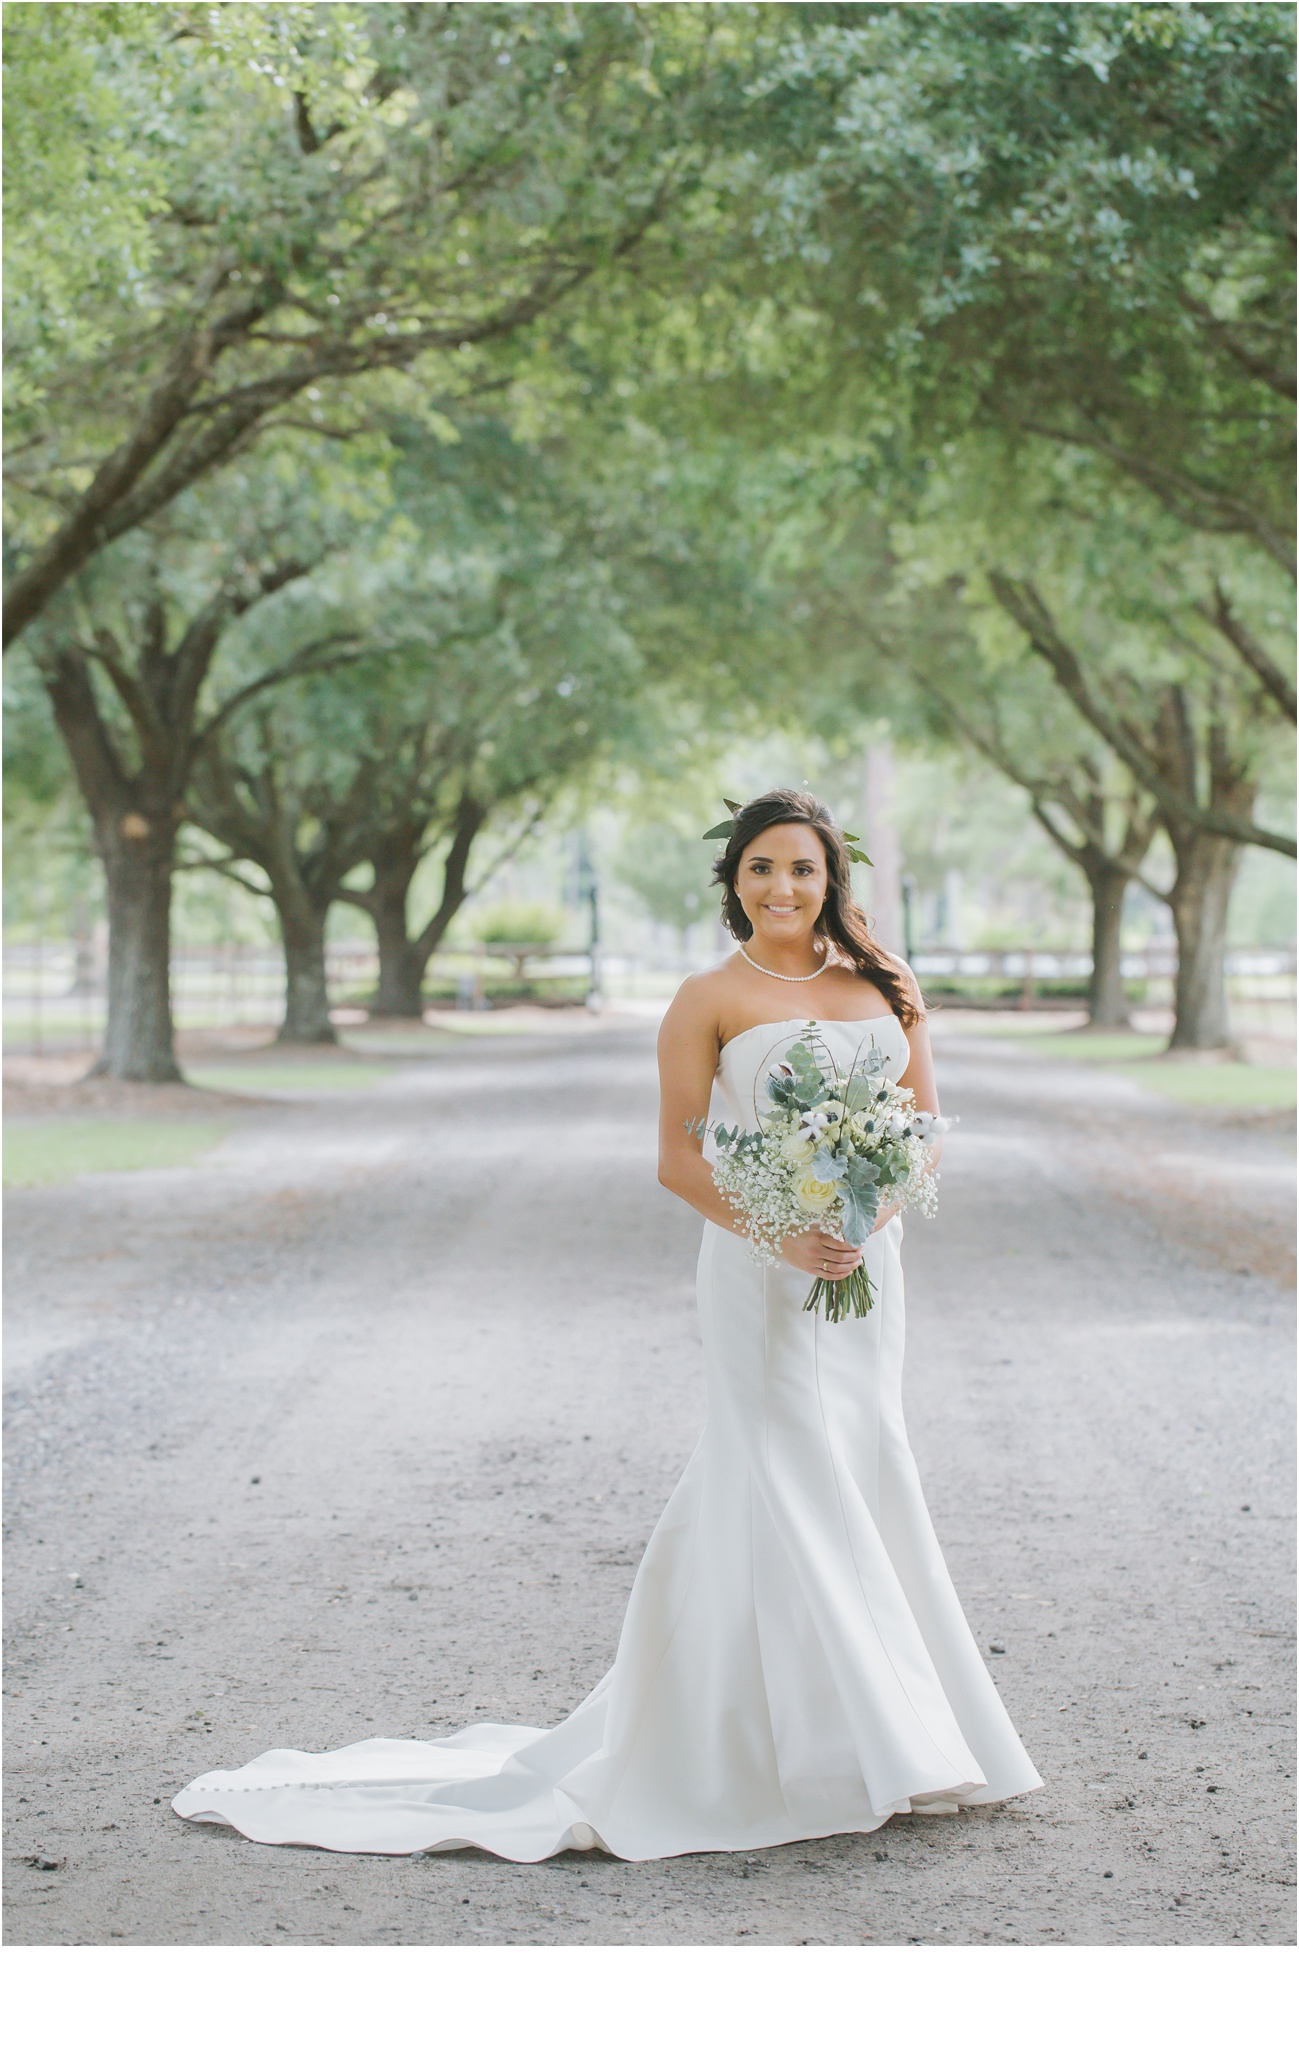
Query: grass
[
  {"x": 55, "y": 1032},
  {"x": 1224, "y": 1086},
  {"x": 392, "y": 1040},
  {"x": 41, "y": 1155},
  {"x": 1214, "y": 1085},
  {"x": 487, "y": 1023},
  {"x": 1086, "y": 1045},
  {"x": 292, "y": 1076}
]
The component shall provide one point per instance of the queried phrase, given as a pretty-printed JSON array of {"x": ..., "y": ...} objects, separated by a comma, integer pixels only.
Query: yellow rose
[
  {"x": 816, "y": 1196},
  {"x": 799, "y": 1146}
]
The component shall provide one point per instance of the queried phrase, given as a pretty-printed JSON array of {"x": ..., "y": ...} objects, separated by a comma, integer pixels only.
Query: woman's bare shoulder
[{"x": 701, "y": 1002}]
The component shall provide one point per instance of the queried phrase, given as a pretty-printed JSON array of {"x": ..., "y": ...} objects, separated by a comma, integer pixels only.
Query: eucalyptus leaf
[
  {"x": 860, "y": 1092},
  {"x": 810, "y": 1082}
]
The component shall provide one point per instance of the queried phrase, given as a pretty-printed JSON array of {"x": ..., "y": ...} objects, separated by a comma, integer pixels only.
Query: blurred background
[{"x": 453, "y": 448}]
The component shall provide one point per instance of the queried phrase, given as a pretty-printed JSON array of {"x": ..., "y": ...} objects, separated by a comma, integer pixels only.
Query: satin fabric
[{"x": 794, "y": 1661}]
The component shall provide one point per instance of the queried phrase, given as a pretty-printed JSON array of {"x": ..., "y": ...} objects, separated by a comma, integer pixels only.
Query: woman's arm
[
  {"x": 918, "y": 1077},
  {"x": 689, "y": 1042},
  {"x": 919, "y": 1074}
]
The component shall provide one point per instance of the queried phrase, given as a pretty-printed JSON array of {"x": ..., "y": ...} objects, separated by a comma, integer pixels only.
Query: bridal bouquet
[{"x": 829, "y": 1149}]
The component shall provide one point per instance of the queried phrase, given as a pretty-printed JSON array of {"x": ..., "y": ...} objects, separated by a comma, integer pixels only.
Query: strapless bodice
[{"x": 749, "y": 1057}]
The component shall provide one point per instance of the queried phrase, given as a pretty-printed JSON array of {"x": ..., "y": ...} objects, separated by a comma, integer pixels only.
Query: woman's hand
[
  {"x": 886, "y": 1216},
  {"x": 823, "y": 1256}
]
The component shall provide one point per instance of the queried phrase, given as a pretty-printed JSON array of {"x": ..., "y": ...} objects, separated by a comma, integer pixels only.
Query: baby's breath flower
[{"x": 767, "y": 1174}]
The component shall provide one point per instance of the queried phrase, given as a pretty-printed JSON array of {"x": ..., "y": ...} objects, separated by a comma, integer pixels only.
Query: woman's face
[{"x": 782, "y": 882}]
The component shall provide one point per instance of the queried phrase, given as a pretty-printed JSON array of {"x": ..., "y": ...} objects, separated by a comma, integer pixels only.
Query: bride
[{"x": 794, "y": 1661}]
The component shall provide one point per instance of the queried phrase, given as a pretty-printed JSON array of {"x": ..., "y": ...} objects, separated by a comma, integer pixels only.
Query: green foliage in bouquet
[{"x": 829, "y": 1149}]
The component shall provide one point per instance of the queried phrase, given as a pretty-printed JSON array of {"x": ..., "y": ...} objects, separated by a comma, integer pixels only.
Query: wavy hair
[{"x": 842, "y": 922}]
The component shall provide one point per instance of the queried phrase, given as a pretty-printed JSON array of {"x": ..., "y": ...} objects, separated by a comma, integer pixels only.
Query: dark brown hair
[{"x": 842, "y": 922}]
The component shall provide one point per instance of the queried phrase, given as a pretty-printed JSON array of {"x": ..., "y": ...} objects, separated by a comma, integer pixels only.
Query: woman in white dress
[{"x": 794, "y": 1661}]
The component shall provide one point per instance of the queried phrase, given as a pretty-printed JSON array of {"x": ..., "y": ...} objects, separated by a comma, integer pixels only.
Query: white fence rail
[
  {"x": 54, "y": 995},
  {"x": 1156, "y": 963}
]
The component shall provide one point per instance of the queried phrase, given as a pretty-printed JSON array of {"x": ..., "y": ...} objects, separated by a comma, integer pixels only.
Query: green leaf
[
  {"x": 809, "y": 1081},
  {"x": 860, "y": 1208},
  {"x": 862, "y": 1175}
]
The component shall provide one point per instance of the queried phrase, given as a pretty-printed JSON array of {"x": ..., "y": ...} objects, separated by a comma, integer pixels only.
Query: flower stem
[{"x": 841, "y": 1299}]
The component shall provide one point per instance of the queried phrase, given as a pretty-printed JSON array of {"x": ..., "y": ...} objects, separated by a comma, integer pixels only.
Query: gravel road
[{"x": 359, "y": 1425}]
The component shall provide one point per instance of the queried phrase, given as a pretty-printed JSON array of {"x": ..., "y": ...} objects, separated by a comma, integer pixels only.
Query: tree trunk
[
  {"x": 401, "y": 967},
  {"x": 403, "y": 960},
  {"x": 134, "y": 822},
  {"x": 1107, "y": 999},
  {"x": 306, "y": 991},
  {"x": 139, "y": 1042},
  {"x": 1200, "y": 898}
]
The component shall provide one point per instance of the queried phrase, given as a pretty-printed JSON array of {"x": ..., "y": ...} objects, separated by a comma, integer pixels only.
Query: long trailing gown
[{"x": 794, "y": 1661}]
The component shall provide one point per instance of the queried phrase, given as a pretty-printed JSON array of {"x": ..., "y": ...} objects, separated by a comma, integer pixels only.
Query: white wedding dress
[{"x": 794, "y": 1661}]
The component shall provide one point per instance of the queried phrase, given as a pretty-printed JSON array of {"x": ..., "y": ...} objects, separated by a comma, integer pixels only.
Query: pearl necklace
[{"x": 786, "y": 977}]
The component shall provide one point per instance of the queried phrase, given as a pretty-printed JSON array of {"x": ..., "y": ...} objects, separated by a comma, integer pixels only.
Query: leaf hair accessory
[
  {"x": 852, "y": 840},
  {"x": 854, "y": 849},
  {"x": 727, "y": 826}
]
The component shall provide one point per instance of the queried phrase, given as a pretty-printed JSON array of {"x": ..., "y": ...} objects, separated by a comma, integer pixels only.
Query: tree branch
[
  {"x": 315, "y": 659},
  {"x": 103, "y": 781},
  {"x": 1025, "y": 605},
  {"x": 1274, "y": 680},
  {"x": 141, "y": 475},
  {"x": 470, "y": 817},
  {"x": 1043, "y": 790},
  {"x": 225, "y": 866},
  {"x": 166, "y": 405},
  {"x": 139, "y": 706},
  {"x": 1280, "y": 380},
  {"x": 1221, "y": 512}
]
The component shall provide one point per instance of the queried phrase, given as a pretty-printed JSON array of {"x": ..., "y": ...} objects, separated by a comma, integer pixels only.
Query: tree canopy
[
  {"x": 720, "y": 367},
  {"x": 308, "y": 196}
]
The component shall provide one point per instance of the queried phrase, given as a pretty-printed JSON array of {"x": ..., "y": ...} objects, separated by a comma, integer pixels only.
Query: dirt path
[{"x": 359, "y": 1425}]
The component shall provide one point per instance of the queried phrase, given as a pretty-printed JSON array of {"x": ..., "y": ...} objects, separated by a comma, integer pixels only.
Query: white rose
[
  {"x": 816, "y": 1196},
  {"x": 798, "y": 1147}
]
